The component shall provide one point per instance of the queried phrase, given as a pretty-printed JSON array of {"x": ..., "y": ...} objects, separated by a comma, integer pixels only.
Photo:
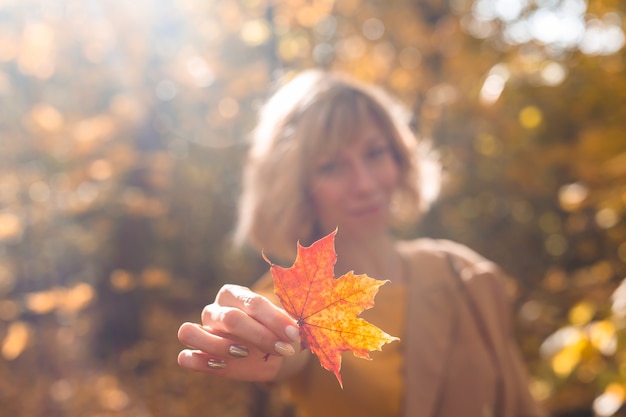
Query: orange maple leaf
[{"x": 326, "y": 308}]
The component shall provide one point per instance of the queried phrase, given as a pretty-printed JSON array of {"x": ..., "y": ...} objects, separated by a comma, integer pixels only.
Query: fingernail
[
  {"x": 293, "y": 333},
  {"x": 238, "y": 351},
  {"x": 284, "y": 349},
  {"x": 216, "y": 364}
]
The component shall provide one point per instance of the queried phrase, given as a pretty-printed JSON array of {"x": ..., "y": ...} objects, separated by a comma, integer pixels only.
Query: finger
[
  {"x": 236, "y": 324},
  {"x": 251, "y": 369},
  {"x": 195, "y": 336},
  {"x": 261, "y": 309}
]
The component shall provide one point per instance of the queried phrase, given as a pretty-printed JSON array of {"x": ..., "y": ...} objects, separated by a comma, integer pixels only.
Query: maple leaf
[{"x": 327, "y": 308}]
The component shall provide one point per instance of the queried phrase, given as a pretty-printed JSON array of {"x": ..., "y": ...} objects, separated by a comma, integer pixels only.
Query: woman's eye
[
  {"x": 327, "y": 167},
  {"x": 377, "y": 152}
]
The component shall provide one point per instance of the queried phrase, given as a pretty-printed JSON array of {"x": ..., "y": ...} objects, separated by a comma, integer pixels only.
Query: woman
[{"x": 328, "y": 153}]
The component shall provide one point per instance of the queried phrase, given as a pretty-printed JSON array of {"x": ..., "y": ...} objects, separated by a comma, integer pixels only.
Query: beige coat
[{"x": 459, "y": 341}]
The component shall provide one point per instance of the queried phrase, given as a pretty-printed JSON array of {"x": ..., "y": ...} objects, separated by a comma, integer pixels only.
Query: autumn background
[{"x": 122, "y": 130}]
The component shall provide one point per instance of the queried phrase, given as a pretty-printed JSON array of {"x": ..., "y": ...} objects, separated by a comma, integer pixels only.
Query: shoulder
[
  {"x": 472, "y": 268},
  {"x": 443, "y": 248}
]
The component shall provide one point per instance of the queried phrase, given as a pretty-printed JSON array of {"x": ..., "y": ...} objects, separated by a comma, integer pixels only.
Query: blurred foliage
[{"x": 122, "y": 131}]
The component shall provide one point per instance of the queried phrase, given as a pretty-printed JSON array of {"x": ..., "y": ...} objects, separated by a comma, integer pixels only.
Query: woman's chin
[{"x": 363, "y": 230}]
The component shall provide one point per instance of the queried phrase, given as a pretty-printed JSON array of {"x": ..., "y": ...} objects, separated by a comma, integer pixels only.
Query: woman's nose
[{"x": 362, "y": 178}]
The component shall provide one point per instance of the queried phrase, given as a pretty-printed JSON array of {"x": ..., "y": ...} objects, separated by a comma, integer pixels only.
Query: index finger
[{"x": 261, "y": 309}]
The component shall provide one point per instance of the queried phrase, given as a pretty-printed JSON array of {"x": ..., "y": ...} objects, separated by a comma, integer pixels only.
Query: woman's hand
[{"x": 243, "y": 336}]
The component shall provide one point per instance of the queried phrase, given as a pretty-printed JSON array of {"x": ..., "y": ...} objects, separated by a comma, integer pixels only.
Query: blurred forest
[{"x": 123, "y": 125}]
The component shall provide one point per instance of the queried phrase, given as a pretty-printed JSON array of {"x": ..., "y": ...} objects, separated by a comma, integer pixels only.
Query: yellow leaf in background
[
  {"x": 615, "y": 167},
  {"x": 603, "y": 337},
  {"x": 70, "y": 299},
  {"x": 616, "y": 389},
  {"x": 110, "y": 395},
  {"x": 530, "y": 117},
  {"x": 564, "y": 362},
  {"x": 77, "y": 297},
  {"x": 581, "y": 313},
  {"x": 42, "y": 302},
  {"x": 10, "y": 226},
  {"x": 94, "y": 129},
  {"x": 155, "y": 278},
  {"x": 47, "y": 118},
  {"x": 122, "y": 280},
  {"x": 16, "y": 340},
  {"x": 564, "y": 349}
]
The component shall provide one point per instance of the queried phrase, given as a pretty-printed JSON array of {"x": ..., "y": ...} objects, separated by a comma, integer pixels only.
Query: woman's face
[{"x": 352, "y": 188}]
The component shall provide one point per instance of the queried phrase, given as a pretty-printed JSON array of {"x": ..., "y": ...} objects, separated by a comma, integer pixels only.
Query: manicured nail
[
  {"x": 238, "y": 351},
  {"x": 216, "y": 364},
  {"x": 293, "y": 333},
  {"x": 284, "y": 349}
]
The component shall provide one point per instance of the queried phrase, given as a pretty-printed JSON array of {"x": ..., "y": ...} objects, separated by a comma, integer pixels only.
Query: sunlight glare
[
  {"x": 494, "y": 84},
  {"x": 200, "y": 71},
  {"x": 562, "y": 29},
  {"x": 255, "y": 32},
  {"x": 603, "y": 37},
  {"x": 16, "y": 340},
  {"x": 509, "y": 10},
  {"x": 606, "y": 217},
  {"x": 553, "y": 73},
  {"x": 571, "y": 196},
  {"x": 11, "y": 226},
  {"x": 559, "y": 25},
  {"x": 603, "y": 336},
  {"x": 609, "y": 402}
]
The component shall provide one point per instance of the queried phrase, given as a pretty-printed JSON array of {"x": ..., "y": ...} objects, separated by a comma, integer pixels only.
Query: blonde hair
[{"x": 313, "y": 114}]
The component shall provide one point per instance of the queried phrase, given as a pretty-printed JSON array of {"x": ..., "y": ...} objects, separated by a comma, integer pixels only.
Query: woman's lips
[{"x": 367, "y": 210}]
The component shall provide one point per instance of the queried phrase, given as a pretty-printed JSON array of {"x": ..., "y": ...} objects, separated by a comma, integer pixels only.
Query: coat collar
[{"x": 431, "y": 327}]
